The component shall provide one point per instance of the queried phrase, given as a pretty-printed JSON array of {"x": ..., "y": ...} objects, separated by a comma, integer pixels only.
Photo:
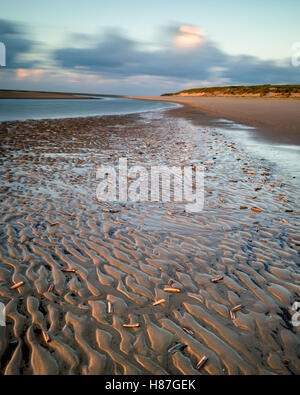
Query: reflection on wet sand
[{"x": 85, "y": 283}]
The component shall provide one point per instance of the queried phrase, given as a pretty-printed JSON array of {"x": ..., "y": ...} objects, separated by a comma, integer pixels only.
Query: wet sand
[
  {"x": 85, "y": 268},
  {"x": 276, "y": 120}
]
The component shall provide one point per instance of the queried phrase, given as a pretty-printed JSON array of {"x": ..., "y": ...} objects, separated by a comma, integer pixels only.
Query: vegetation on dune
[{"x": 252, "y": 90}]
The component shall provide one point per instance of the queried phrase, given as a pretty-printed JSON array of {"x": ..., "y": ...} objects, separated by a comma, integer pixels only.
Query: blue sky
[{"x": 147, "y": 47}]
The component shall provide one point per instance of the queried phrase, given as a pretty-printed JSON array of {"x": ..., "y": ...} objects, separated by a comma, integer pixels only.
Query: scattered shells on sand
[
  {"x": 234, "y": 310},
  {"x": 17, "y": 285},
  {"x": 131, "y": 306}
]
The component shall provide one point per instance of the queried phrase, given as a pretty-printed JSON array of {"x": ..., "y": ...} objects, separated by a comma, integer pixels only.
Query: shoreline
[
  {"x": 88, "y": 269},
  {"x": 276, "y": 120},
  {"x": 19, "y": 94}
]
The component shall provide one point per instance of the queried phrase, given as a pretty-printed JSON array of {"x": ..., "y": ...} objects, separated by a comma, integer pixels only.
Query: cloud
[
  {"x": 12, "y": 34},
  {"x": 189, "y": 37},
  {"x": 25, "y": 73},
  {"x": 113, "y": 51},
  {"x": 116, "y": 54},
  {"x": 190, "y": 56},
  {"x": 253, "y": 70},
  {"x": 183, "y": 56}
]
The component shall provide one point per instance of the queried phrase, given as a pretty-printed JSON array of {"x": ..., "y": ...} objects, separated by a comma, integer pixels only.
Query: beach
[
  {"x": 86, "y": 283},
  {"x": 276, "y": 120}
]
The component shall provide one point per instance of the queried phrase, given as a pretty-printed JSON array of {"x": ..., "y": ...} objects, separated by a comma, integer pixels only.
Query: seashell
[
  {"x": 177, "y": 347},
  {"x": 159, "y": 302},
  {"x": 236, "y": 308},
  {"x": 109, "y": 307},
  {"x": 189, "y": 331},
  {"x": 232, "y": 315},
  {"x": 216, "y": 279},
  {"x": 17, "y": 285},
  {"x": 46, "y": 337},
  {"x": 172, "y": 290},
  {"x": 202, "y": 361},
  {"x": 131, "y": 325},
  {"x": 195, "y": 297},
  {"x": 258, "y": 210}
]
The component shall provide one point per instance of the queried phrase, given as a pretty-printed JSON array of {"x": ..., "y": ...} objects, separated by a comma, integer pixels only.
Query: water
[
  {"x": 22, "y": 109},
  {"x": 285, "y": 158}
]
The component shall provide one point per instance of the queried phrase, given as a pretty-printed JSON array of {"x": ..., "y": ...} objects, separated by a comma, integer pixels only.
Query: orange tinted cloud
[
  {"x": 189, "y": 37},
  {"x": 24, "y": 73}
]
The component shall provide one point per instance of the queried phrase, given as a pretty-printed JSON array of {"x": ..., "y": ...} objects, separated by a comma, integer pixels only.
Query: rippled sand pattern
[{"x": 119, "y": 257}]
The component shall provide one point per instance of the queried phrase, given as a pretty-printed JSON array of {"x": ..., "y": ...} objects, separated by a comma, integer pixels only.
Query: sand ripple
[{"x": 87, "y": 268}]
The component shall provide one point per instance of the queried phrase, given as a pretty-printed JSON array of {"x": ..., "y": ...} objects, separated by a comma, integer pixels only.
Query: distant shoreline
[{"x": 22, "y": 94}]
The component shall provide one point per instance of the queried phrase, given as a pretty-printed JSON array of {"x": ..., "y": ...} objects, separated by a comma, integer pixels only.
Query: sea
[{"x": 23, "y": 109}]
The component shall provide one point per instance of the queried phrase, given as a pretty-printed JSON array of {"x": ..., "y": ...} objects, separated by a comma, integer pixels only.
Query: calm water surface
[{"x": 21, "y": 109}]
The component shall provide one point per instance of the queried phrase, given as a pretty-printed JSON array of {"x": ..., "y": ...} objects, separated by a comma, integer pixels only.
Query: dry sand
[
  {"x": 277, "y": 120},
  {"x": 58, "y": 321}
]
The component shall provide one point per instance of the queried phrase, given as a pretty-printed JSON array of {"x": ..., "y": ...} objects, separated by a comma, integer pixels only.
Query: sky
[{"x": 142, "y": 47}]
